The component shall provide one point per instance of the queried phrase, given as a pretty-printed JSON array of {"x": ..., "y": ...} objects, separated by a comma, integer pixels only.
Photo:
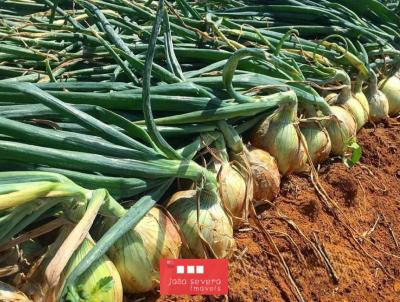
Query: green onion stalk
[
  {"x": 209, "y": 190},
  {"x": 27, "y": 195},
  {"x": 124, "y": 167},
  {"x": 127, "y": 100},
  {"x": 376, "y": 38}
]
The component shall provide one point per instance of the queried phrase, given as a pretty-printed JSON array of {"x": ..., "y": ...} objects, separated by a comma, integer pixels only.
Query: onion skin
[
  {"x": 137, "y": 253},
  {"x": 391, "y": 88},
  {"x": 347, "y": 100},
  {"x": 357, "y": 105},
  {"x": 232, "y": 189},
  {"x": 362, "y": 99},
  {"x": 331, "y": 98},
  {"x": 318, "y": 141},
  {"x": 340, "y": 131},
  {"x": 278, "y": 136},
  {"x": 11, "y": 294},
  {"x": 215, "y": 226},
  {"x": 378, "y": 107},
  {"x": 266, "y": 177},
  {"x": 101, "y": 268},
  {"x": 378, "y": 102}
]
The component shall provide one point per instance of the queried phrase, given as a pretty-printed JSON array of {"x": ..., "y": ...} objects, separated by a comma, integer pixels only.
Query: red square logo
[{"x": 193, "y": 276}]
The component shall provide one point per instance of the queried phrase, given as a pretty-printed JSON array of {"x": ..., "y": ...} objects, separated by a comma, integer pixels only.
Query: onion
[
  {"x": 362, "y": 99},
  {"x": 102, "y": 268},
  {"x": 318, "y": 141},
  {"x": 391, "y": 88},
  {"x": 349, "y": 102},
  {"x": 331, "y": 98},
  {"x": 378, "y": 102},
  {"x": 341, "y": 130},
  {"x": 11, "y": 294},
  {"x": 278, "y": 136},
  {"x": 357, "y": 110},
  {"x": 232, "y": 189},
  {"x": 345, "y": 99},
  {"x": 266, "y": 178},
  {"x": 378, "y": 107},
  {"x": 233, "y": 176},
  {"x": 137, "y": 253},
  {"x": 213, "y": 234},
  {"x": 88, "y": 282}
]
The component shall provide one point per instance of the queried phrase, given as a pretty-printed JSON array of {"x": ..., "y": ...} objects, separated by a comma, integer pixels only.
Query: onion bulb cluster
[
  {"x": 205, "y": 225},
  {"x": 137, "y": 253},
  {"x": 266, "y": 178},
  {"x": 354, "y": 104},
  {"x": 278, "y": 136}
]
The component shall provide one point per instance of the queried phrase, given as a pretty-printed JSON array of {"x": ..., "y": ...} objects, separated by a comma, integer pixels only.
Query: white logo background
[{"x": 190, "y": 269}]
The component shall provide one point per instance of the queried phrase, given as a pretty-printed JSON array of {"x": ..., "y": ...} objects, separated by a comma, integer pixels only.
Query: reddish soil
[{"x": 368, "y": 197}]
